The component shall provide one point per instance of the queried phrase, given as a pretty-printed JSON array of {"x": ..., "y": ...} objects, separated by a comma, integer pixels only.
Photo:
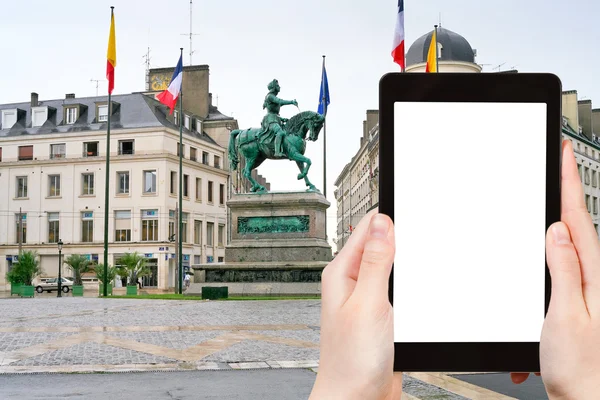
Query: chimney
[
  {"x": 34, "y": 99},
  {"x": 70, "y": 96},
  {"x": 210, "y": 103}
]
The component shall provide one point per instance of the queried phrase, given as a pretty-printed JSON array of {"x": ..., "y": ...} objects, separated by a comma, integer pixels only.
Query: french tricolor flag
[
  {"x": 169, "y": 96},
  {"x": 398, "y": 48}
]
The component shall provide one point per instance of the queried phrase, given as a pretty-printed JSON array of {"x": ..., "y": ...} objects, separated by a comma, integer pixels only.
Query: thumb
[
  {"x": 377, "y": 259},
  {"x": 565, "y": 271}
]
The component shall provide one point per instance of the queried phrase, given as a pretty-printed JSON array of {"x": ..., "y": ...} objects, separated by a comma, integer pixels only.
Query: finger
[
  {"x": 574, "y": 213},
  {"x": 519, "y": 377},
  {"x": 565, "y": 271},
  {"x": 377, "y": 259},
  {"x": 397, "y": 386},
  {"x": 339, "y": 276}
]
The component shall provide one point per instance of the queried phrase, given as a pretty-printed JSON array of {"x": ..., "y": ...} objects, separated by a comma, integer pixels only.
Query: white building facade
[{"x": 52, "y": 172}]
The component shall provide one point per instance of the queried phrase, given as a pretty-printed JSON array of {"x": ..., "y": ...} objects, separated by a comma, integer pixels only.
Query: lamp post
[{"x": 60, "y": 245}]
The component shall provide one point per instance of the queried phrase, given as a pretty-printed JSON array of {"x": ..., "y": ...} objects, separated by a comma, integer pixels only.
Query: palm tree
[
  {"x": 111, "y": 273},
  {"x": 134, "y": 266},
  {"x": 27, "y": 268},
  {"x": 79, "y": 264}
]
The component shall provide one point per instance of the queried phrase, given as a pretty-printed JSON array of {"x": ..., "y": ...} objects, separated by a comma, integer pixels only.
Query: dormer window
[
  {"x": 70, "y": 115},
  {"x": 103, "y": 113},
  {"x": 186, "y": 122},
  {"x": 9, "y": 118},
  {"x": 39, "y": 115}
]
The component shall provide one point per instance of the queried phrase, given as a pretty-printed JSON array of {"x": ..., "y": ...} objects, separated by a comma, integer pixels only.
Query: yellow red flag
[
  {"x": 111, "y": 56},
  {"x": 432, "y": 55}
]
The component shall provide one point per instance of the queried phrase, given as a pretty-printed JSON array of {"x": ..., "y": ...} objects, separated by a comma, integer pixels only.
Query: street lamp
[{"x": 60, "y": 245}]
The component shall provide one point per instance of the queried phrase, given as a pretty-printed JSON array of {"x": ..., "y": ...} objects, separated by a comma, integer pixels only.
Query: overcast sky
[{"x": 56, "y": 47}]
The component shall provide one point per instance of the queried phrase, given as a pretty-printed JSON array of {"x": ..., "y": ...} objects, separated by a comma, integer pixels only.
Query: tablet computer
[{"x": 470, "y": 174}]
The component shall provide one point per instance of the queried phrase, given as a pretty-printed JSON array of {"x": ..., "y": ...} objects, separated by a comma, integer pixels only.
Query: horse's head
[
  {"x": 307, "y": 121},
  {"x": 314, "y": 125}
]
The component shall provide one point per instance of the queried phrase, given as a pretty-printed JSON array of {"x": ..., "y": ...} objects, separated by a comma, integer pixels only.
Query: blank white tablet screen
[{"x": 469, "y": 213}]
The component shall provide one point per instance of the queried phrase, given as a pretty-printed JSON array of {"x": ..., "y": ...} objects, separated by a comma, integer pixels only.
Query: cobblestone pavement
[{"x": 69, "y": 334}]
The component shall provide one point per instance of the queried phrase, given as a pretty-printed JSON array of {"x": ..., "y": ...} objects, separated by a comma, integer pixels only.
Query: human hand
[
  {"x": 570, "y": 342},
  {"x": 357, "y": 338},
  {"x": 295, "y": 103}
]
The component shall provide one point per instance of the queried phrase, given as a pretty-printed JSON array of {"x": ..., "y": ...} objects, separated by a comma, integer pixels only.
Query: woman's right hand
[{"x": 570, "y": 342}]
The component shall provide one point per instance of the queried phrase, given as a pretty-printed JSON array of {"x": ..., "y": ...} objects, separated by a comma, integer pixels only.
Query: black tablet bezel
[{"x": 464, "y": 87}]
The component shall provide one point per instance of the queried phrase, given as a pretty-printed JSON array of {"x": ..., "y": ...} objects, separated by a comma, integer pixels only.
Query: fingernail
[
  {"x": 379, "y": 226},
  {"x": 561, "y": 234}
]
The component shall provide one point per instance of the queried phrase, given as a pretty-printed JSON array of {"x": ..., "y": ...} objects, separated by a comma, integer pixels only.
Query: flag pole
[
  {"x": 324, "y": 100},
  {"x": 180, "y": 227},
  {"x": 437, "y": 65},
  {"x": 107, "y": 179}
]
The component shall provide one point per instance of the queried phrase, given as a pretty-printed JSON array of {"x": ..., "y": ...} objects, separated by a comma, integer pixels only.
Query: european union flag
[{"x": 324, "y": 95}]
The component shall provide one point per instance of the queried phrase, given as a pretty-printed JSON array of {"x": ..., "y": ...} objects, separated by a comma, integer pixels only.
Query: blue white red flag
[
  {"x": 169, "y": 97},
  {"x": 398, "y": 47}
]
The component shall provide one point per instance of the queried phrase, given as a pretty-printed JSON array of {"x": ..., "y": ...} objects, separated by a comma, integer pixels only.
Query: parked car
[{"x": 49, "y": 285}]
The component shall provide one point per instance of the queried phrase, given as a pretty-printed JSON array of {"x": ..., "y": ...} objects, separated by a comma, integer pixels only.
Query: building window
[
  {"x": 197, "y": 259},
  {"x": 580, "y": 172},
  {"x": 53, "y": 185},
  {"x": 587, "y": 176},
  {"x": 221, "y": 259},
  {"x": 204, "y": 158},
  {"x": 87, "y": 227},
  {"x": 186, "y": 181},
  {"x": 9, "y": 118},
  {"x": 149, "y": 181},
  {"x": 123, "y": 182},
  {"x": 22, "y": 230},
  {"x": 594, "y": 178},
  {"x": 25, "y": 153},
  {"x": 595, "y": 203},
  {"x": 38, "y": 116},
  {"x": 210, "y": 232},
  {"x": 217, "y": 162},
  {"x": 125, "y": 147},
  {"x": 210, "y": 191},
  {"x": 176, "y": 117},
  {"x": 171, "y": 225},
  {"x": 90, "y": 149},
  {"x": 71, "y": 115},
  {"x": 103, "y": 113},
  {"x": 0, "y": 154},
  {"x": 198, "y": 189},
  {"x": 87, "y": 187},
  {"x": 184, "y": 227},
  {"x": 186, "y": 122},
  {"x": 123, "y": 226},
  {"x": 193, "y": 154},
  {"x": 53, "y": 227},
  {"x": 588, "y": 203},
  {"x": 173, "y": 183},
  {"x": 21, "y": 187},
  {"x": 149, "y": 225},
  {"x": 222, "y": 194},
  {"x": 57, "y": 150},
  {"x": 197, "y": 232},
  {"x": 182, "y": 148},
  {"x": 221, "y": 236}
]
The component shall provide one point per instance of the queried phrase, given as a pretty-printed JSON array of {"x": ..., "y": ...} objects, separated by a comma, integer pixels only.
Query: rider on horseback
[{"x": 271, "y": 123}]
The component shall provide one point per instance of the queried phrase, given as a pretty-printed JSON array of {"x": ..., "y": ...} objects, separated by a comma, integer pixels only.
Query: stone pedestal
[
  {"x": 275, "y": 237},
  {"x": 278, "y": 227}
]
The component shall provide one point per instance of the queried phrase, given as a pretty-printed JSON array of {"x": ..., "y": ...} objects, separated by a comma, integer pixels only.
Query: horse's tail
[{"x": 233, "y": 154}]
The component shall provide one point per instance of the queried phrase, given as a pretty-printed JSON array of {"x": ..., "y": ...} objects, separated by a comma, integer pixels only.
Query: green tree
[
  {"x": 133, "y": 266},
  {"x": 26, "y": 269},
  {"x": 79, "y": 264},
  {"x": 111, "y": 273}
]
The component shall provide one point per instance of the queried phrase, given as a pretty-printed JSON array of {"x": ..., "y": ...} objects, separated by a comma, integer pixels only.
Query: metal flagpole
[
  {"x": 106, "y": 186},
  {"x": 180, "y": 228},
  {"x": 437, "y": 64},
  {"x": 324, "y": 100}
]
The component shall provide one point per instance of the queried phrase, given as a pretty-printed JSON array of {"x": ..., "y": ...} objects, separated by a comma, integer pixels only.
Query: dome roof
[{"x": 454, "y": 48}]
